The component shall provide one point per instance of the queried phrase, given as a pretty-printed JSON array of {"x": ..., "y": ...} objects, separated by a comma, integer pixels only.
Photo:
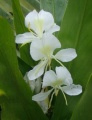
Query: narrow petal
[
  {"x": 32, "y": 85},
  {"x": 38, "y": 84},
  {"x": 64, "y": 75},
  {"x": 25, "y": 38},
  {"x": 72, "y": 89},
  {"x": 41, "y": 96},
  {"x": 37, "y": 71},
  {"x": 44, "y": 105},
  {"x": 66, "y": 55},
  {"x": 49, "y": 78},
  {"x": 53, "y": 29},
  {"x": 30, "y": 82},
  {"x": 30, "y": 20},
  {"x": 35, "y": 50},
  {"x": 47, "y": 19}
]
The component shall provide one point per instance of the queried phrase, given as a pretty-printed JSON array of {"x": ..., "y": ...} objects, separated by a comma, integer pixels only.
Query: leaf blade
[{"x": 17, "y": 99}]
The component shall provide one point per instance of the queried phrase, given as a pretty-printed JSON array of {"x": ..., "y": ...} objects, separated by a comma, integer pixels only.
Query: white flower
[
  {"x": 38, "y": 24},
  {"x": 61, "y": 80},
  {"x": 43, "y": 50}
]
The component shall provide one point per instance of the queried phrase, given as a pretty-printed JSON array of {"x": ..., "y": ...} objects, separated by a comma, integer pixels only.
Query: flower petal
[
  {"x": 47, "y": 19},
  {"x": 53, "y": 29},
  {"x": 35, "y": 50},
  {"x": 44, "y": 105},
  {"x": 38, "y": 84},
  {"x": 37, "y": 71},
  {"x": 64, "y": 75},
  {"x": 31, "y": 83},
  {"x": 30, "y": 20},
  {"x": 45, "y": 47},
  {"x": 72, "y": 89},
  {"x": 51, "y": 41},
  {"x": 41, "y": 96},
  {"x": 25, "y": 38},
  {"x": 49, "y": 78},
  {"x": 66, "y": 55}
]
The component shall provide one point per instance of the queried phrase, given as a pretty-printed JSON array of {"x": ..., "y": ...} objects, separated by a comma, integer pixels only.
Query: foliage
[{"x": 75, "y": 20}]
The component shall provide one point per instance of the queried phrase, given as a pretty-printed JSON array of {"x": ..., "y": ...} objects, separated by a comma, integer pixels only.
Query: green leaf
[
  {"x": 18, "y": 17},
  {"x": 26, "y": 5},
  {"x": 25, "y": 55},
  {"x": 15, "y": 94},
  {"x": 23, "y": 66},
  {"x": 76, "y": 33},
  {"x": 58, "y": 109},
  {"x": 56, "y": 7},
  {"x": 83, "y": 110},
  {"x": 35, "y": 4},
  {"x": 20, "y": 28},
  {"x": 5, "y": 7}
]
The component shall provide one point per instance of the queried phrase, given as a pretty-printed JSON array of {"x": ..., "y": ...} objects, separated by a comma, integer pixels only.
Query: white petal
[
  {"x": 25, "y": 38},
  {"x": 32, "y": 84},
  {"x": 51, "y": 41},
  {"x": 66, "y": 55},
  {"x": 45, "y": 47},
  {"x": 30, "y": 20},
  {"x": 53, "y": 29},
  {"x": 37, "y": 71},
  {"x": 35, "y": 50},
  {"x": 47, "y": 18},
  {"x": 49, "y": 78},
  {"x": 26, "y": 78},
  {"x": 64, "y": 75},
  {"x": 72, "y": 89},
  {"x": 44, "y": 105},
  {"x": 41, "y": 96}
]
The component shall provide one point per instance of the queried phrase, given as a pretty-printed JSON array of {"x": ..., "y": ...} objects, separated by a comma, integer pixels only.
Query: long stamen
[
  {"x": 46, "y": 67},
  {"x": 58, "y": 61},
  {"x": 51, "y": 99},
  {"x": 64, "y": 96},
  {"x": 39, "y": 68},
  {"x": 31, "y": 30}
]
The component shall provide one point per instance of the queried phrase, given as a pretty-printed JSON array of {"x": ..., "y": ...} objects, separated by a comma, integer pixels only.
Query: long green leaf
[
  {"x": 76, "y": 33},
  {"x": 56, "y": 7},
  {"x": 5, "y": 7},
  {"x": 83, "y": 110},
  {"x": 20, "y": 28},
  {"x": 18, "y": 17},
  {"x": 26, "y": 5},
  {"x": 35, "y": 4},
  {"x": 15, "y": 94}
]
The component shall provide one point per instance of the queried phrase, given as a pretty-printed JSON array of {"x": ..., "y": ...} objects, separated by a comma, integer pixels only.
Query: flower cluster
[{"x": 43, "y": 43}]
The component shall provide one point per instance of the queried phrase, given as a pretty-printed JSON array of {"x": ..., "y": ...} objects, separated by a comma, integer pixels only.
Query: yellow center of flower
[
  {"x": 56, "y": 83},
  {"x": 46, "y": 50},
  {"x": 39, "y": 26}
]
